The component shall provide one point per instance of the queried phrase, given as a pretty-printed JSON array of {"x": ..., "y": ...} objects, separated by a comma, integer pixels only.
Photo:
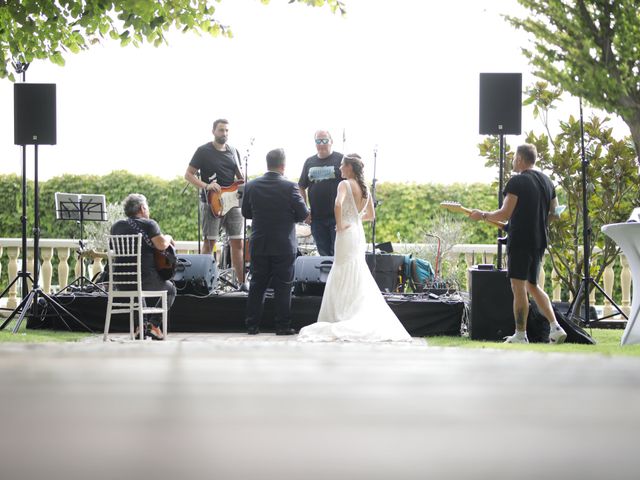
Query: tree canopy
[
  {"x": 591, "y": 49},
  {"x": 46, "y": 29}
]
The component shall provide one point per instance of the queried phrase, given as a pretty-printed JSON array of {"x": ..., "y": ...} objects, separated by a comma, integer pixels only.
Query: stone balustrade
[{"x": 63, "y": 254}]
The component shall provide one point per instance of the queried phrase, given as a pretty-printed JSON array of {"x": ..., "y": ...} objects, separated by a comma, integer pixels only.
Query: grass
[
  {"x": 608, "y": 343},
  {"x": 38, "y": 336}
]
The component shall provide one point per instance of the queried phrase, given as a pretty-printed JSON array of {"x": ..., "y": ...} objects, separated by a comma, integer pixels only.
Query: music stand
[{"x": 81, "y": 207}]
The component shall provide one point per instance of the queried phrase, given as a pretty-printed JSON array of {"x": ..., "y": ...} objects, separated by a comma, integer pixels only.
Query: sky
[{"x": 395, "y": 80}]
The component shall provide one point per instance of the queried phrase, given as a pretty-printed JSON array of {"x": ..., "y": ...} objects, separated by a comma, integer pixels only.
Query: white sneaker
[
  {"x": 557, "y": 335},
  {"x": 515, "y": 338}
]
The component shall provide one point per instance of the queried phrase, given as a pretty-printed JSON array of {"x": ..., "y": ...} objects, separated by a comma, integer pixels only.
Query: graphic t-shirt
[{"x": 320, "y": 177}]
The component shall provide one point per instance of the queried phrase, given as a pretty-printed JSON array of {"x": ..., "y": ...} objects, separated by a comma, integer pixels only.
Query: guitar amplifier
[{"x": 196, "y": 275}]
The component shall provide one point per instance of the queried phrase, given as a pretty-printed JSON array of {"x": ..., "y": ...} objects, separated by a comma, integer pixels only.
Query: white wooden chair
[{"x": 124, "y": 258}]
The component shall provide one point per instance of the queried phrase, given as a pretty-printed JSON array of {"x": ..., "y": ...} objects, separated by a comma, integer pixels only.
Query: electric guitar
[
  {"x": 224, "y": 200},
  {"x": 165, "y": 262},
  {"x": 456, "y": 207}
]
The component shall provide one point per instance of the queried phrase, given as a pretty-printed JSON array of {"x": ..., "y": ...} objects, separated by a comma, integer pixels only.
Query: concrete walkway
[{"x": 231, "y": 406}]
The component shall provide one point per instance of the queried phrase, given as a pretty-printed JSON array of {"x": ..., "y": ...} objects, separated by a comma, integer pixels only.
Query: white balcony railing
[{"x": 63, "y": 254}]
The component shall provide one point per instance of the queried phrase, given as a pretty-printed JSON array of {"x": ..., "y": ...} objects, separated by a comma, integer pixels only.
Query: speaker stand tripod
[
  {"x": 587, "y": 281},
  {"x": 36, "y": 302}
]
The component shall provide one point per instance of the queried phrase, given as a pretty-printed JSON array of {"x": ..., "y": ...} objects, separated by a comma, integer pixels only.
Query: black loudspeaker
[
  {"x": 491, "y": 305},
  {"x": 196, "y": 274},
  {"x": 310, "y": 274},
  {"x": 500, "y": 103},
  {"x": 387, "y": 270},
  {"x": 34, "y": 114}
]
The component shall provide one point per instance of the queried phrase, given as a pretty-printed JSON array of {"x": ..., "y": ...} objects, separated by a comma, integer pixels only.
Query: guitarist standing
[
  {"x": 530, "y": 198},
  {"x": 137, "y": 211},
  {"x": 219, "y": 166}
]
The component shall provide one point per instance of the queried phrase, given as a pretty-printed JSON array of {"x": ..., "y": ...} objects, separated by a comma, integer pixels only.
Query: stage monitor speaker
[
  {"x": 196, "y": 275},
  {"x": 34, "y": 113},
  {"x": 500, "y": 103},
  {"x": 491, "y": 305},
  {"x": 310, "y": 274}
]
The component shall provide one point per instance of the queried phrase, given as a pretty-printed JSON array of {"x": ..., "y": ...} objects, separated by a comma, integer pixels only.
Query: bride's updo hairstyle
[{"x": 354, "y": 160}]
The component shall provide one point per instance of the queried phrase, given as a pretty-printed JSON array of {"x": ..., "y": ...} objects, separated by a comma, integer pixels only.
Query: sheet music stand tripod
[{"x": 81, "y": 207}]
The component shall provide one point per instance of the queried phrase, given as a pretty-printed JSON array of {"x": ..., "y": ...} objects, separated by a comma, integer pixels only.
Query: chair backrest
[{"x": 124, "y": 256}]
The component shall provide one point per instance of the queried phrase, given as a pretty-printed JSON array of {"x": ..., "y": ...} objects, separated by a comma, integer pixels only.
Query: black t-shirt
[
  {"x": 152, "y": 229},
  {"x": 529, "y": 221},
  {"x": 320, "y": 177},
  {"x": 215, "y": 165}
]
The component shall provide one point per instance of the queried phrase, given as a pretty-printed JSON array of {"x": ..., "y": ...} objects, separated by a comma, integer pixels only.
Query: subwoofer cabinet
[{"x": 491, "y": 305}]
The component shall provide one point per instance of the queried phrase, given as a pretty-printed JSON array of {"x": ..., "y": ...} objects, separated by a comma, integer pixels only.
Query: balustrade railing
[{"x": 62, "y": 254}]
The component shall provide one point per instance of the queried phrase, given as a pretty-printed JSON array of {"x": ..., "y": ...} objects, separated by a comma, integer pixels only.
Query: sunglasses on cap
[{"x": 322, "y": 141}]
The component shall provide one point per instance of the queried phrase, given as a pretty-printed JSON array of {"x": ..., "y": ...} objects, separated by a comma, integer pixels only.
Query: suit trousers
[{"x": 277, "y": 271}]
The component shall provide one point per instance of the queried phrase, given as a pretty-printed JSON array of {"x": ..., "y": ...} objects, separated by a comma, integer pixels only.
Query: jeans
[{"x": 324, "y": 234}]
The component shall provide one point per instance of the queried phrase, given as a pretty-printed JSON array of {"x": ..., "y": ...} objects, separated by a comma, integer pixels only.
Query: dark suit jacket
[{"x": 275, "y": 205}]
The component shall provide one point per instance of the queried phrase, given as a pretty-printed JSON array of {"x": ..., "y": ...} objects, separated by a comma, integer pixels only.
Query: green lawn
[{"x": 608, "y": 344}]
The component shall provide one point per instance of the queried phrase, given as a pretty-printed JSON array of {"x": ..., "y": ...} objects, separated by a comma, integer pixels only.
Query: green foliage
[
  {"x": 590, "y": 49},
  {"x": 43, "y": 29},
  {"x": 176, "y": 212},
  {"x": 407, "y": 211}
]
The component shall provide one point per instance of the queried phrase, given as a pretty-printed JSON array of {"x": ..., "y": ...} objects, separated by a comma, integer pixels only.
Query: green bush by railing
[{"x": 405, "y": 213}]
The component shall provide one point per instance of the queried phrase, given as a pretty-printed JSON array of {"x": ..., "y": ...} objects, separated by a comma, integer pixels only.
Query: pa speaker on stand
[{"x": 500, "y": 114}]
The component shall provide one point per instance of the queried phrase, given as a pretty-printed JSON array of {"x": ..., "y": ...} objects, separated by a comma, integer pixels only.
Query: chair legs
[
  {"x": 164, "y": 314},
  {"x": 133, "y": 308},
  {"x": 107, "y": 320}
]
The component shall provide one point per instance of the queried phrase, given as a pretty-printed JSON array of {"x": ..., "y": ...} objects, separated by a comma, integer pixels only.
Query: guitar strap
[
  {"x": 137, "y": 228},
  {"x": 238, "y": 160}
]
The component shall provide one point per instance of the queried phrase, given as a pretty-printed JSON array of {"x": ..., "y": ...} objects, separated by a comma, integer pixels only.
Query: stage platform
[{"x": 421, "y": 316}]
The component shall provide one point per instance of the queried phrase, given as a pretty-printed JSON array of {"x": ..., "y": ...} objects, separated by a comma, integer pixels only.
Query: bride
[{"x": 353, "y": 309}]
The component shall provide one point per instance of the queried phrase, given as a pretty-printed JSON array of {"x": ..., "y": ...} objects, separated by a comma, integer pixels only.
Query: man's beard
[{"x": 220, "y": 140}]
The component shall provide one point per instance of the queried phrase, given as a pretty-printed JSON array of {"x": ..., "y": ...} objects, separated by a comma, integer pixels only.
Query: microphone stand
[
  {"x": 244, "y": 220},
  {"x": 587, "y": 281},
  {"x": 198, "y": 214},
  {"x": 375, "y": 205}
]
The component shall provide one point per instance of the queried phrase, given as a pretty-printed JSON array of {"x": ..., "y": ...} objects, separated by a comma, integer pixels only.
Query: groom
[{"x": 275, "y": 205}]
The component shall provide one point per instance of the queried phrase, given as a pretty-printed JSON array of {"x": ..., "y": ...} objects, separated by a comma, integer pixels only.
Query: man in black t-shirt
[
  {"x": 530, "y": 199},
  {"x": 219, "y": 166},
  {"x": 137, "y": 211},
  {"x": 319, "y": 185}
]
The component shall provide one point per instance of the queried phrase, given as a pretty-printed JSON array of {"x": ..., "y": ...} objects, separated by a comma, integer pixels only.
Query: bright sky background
[{"x": 399, "y": 75}]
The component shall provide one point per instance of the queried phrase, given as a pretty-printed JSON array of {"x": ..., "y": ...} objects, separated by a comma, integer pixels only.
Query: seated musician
[{"x": 137, "y": 211}]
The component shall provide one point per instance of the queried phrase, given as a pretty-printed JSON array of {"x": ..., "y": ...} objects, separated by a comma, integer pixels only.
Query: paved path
[{"x": 238, "y": 407}]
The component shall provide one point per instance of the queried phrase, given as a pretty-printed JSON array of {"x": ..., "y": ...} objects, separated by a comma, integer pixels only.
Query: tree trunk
[{"x": 633, "y": 122}]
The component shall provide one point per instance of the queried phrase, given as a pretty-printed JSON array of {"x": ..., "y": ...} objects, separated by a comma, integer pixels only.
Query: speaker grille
[
  {"x": 500, "y": 103},
  {"x": 34, "y": 113}
]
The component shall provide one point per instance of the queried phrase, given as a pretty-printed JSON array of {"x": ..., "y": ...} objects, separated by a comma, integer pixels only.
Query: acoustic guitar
[
  {"x": 165, "y": 262},
  {"x": 224, "y": 200},
  {"x": 456, "y": 207}
]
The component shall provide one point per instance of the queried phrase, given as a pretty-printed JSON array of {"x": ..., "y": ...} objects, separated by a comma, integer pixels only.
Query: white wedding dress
[{"x": 353, "y": 309}]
